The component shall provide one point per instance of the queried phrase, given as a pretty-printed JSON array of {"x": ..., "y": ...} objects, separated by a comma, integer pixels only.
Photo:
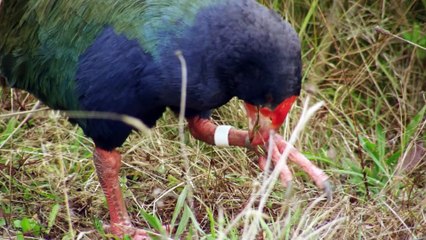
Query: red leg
[
  {"x": 204, "y": 130},
  {"x": 107, "y": 165}
]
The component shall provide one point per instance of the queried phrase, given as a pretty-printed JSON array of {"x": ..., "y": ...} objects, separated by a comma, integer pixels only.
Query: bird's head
[
  {"x": 243, "y": 49},
  {"x": 260, "y": 61}
]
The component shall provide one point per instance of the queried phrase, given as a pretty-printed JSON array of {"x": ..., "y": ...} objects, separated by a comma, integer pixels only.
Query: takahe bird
[{"x": 118, "y": 56}]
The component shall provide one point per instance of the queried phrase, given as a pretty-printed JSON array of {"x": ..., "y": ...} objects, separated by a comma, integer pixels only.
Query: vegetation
[{"x": 365, "y": 59}]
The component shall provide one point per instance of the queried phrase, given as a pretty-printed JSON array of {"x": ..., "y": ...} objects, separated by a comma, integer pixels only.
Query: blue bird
[{"x": 118, "y": 56}]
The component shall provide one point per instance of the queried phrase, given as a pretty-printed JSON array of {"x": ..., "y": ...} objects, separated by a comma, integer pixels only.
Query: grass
[{"x": 369, "y": 137}]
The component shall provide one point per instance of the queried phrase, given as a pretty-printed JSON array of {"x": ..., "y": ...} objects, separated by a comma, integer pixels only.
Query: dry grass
[{"x": 370, "y": 138}]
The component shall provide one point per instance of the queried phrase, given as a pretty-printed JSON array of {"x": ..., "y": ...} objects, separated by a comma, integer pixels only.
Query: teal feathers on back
[
  {"x": 42, "y": 40},
  {"x": 167, "y": 18}
]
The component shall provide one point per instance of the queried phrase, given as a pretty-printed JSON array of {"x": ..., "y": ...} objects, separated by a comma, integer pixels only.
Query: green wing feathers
[{"x": 41, "y": 40}]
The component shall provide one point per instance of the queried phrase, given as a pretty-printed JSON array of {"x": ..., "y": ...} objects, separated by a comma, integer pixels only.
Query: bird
[{"x": 118, "y": 56}]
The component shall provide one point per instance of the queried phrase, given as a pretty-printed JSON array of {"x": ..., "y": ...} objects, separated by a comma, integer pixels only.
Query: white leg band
[{"x": 221, "y": 135}]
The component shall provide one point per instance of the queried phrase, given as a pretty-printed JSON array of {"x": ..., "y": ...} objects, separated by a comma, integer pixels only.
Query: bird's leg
[
  {"x": 107, "y": 165},
  {"x": 205, "y": 130}
]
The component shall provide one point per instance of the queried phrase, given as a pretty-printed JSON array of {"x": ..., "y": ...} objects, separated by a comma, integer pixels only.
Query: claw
[{"x": 328, "y": 190}]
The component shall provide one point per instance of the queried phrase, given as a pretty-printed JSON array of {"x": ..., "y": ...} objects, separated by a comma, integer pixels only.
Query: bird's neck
[{"x": 203, "y": 90}]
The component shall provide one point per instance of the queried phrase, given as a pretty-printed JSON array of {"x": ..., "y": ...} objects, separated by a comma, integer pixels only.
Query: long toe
[
  {"x": 285, "y": 174},
  {"x": 121, "y": 230}
]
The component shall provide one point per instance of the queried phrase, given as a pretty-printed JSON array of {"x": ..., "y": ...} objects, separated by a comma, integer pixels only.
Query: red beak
[{"x": 263, "y": 120}]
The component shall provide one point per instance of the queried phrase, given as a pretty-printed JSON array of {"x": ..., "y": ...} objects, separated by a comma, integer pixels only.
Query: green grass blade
[
  {"x": 308, "y": 18},
  {"x": 381, "y": 142},
  {"x": 183, "y": 224},
  {"x": 10, "y": 127},
  {"x": 153, "y": 221},
  {"x": 266, "y": 228},
  {"x": 212, "y": 223},
  {"x": 412, "y": 127},
  {"x": 179, "y": 205},
  {"x": 371, "y": 149},
  {"x": 52, "y": 217}
]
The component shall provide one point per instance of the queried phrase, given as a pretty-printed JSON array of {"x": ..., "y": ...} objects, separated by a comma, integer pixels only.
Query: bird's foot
[
  {"x": 317, "y": 175},
  {"x": 127, "y": 229}
]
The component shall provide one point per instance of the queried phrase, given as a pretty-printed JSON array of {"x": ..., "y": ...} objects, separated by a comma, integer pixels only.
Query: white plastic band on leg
[{"x": 221, "y": 135}]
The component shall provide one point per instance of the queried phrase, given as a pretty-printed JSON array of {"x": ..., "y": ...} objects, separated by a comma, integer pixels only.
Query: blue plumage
[
  {"x": 234, "y": 48},
  {"x": 116, "y": 75},
  {"x": 109, "y": 61}
]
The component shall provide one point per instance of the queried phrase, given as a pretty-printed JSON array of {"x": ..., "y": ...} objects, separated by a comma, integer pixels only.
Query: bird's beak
[{"x": 262, "y": 120}]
